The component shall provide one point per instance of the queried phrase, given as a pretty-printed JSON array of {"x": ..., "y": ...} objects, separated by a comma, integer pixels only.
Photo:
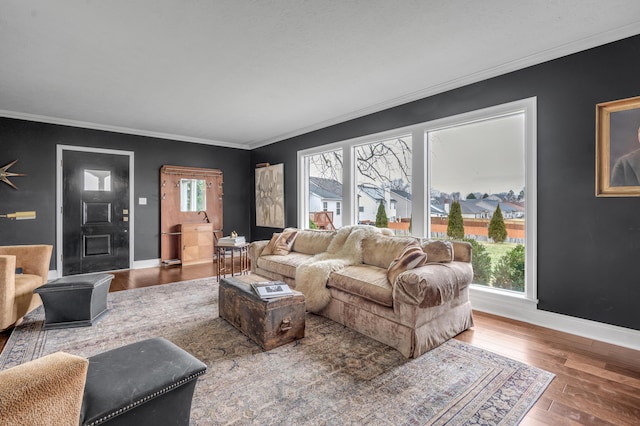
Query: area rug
[{"x": 334, "y": 376}]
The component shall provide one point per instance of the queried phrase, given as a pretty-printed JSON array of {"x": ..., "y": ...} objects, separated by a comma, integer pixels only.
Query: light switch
[{"x": 142, "y": 201}]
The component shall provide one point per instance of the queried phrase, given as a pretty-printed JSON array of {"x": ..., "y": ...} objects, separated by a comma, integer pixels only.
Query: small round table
[{"x": 225, "y": 251}]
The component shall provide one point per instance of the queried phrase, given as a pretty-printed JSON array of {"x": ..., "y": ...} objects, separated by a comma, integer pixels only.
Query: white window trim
[
  {"x": 529, "y": 108},
  {"x": 420, "y": 177}
]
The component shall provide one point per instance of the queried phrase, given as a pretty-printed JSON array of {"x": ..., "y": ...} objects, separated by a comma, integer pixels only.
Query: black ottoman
[
  {"x": 147, "y": 383},
  {"x": 76, "y": 301}
]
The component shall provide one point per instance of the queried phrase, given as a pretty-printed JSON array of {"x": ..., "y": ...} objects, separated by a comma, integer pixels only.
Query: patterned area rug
[{"x": 332, "y": 376}]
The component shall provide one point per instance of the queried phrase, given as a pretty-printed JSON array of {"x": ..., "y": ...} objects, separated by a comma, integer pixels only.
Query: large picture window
[{"x": 480, "y": 165}]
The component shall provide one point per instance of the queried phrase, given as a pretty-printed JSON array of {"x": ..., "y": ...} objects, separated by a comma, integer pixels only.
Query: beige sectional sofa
[{"x": 345, "y": 276}]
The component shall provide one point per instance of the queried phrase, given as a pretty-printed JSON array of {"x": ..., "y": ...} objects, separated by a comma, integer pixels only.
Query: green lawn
[{"x": 496, "y": 251}]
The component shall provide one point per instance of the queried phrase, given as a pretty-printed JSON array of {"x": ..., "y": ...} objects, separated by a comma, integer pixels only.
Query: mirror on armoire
[{"x": 190, "y": 214}]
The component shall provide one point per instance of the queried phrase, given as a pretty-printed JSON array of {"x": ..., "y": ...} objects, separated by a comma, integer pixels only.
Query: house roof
[
  {"x": 372, "y": 191},
  {"x": 327, "y": 189},
  {"x": 400, "y": 193}
]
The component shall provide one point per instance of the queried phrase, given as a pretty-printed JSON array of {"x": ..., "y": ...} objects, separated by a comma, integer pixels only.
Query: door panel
[{"x": 95, "y": 199}]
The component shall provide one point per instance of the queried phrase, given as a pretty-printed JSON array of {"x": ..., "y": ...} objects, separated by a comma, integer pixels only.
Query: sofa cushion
[
  {"x": 26, "y": 283},
  {"x": 269, "y": 247},
  {"x": 368, "y": 282},
  {"x": 411, "y": 257},
  {"x": 438, "y": 251},
  {"x": 283, "y": 265},
  {"x": 312, "y": 241},
  {"x": 284, "y": 242},
  {"x": 381, "y": 250}
]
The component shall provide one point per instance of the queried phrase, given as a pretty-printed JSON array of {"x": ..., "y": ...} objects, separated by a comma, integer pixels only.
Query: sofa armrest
[
  {"x": 432, "y": 284},
  {"x": 45, "y": 391},
  {"x": 255, "y": 250},
  {"x": 33, "y": 259},
  {"x": 7, "y": 289}
]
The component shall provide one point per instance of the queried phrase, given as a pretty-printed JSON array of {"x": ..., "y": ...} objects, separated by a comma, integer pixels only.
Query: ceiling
[{"x": 245, "y": 73}]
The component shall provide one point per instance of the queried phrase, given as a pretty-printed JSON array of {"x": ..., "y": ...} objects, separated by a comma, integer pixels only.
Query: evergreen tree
[
  {"x": 381, "y": 217},
  {"x": 497, "y": 228},
  {"x": 471, "y": 196},
  {"x": 455, "y": 228}
]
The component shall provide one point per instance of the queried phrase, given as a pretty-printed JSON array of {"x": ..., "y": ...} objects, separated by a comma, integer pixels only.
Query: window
[
  {"x": 383, "y": 170},
  {"x": 492, "y": 152},
  {"x": 320, "y": 179},
  {"x": 480, "y": 165},
  {"x": 337, "y": 208},
  {"x": 97, "y": 180}
]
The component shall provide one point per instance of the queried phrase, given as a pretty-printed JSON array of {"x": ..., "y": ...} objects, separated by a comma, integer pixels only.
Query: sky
[{"x": 486, "y": 157}]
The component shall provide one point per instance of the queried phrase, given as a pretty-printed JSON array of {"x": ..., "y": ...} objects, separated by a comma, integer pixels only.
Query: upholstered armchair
[{"x": 22, "y": 269}]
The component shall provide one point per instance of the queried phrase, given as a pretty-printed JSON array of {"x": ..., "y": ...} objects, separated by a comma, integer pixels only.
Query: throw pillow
[
  {"x": 438, "y": 251},
  {"x": 268, "y": 249},
  {"x": 411, "y": 257},
  {"x": 285, "y": 242}
]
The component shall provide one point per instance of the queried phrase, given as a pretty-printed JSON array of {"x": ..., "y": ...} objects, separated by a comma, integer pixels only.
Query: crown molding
[
  {"x": 117, "y": 129},
  {"x": 527, "y": 61},
  {"x": 534, "y": 59}
]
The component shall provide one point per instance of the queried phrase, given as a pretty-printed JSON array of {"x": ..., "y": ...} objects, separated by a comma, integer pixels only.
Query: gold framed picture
[{"x": 618, "y": 148}]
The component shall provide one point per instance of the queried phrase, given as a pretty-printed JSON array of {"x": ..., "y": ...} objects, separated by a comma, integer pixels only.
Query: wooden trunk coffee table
[{"x": 271, "y": 322}]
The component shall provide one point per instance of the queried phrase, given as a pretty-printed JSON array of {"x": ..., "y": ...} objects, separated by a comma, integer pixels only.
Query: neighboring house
[
  {"x": 326, "y": 195},
  {"x": 369, "y": 198},
  {"x": 471, "y": 209},
  {"x": 401, "y": 203},
  {"x": 509, "y": 210}
]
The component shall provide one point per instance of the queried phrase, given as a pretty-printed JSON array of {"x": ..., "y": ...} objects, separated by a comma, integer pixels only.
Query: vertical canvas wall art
[{"x": 270, "y": 196}]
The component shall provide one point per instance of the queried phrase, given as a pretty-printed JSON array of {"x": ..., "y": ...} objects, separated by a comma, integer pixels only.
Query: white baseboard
[
  {"x": 521, "y": 309},
  {"x": 149, "y": 263}
]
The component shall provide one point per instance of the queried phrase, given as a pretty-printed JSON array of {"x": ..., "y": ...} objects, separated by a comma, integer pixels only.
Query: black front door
[{"x": 95, "y": 208}]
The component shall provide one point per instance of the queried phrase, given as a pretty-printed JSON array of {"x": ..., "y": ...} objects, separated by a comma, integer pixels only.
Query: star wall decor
[{"x": 4, "y": 174}]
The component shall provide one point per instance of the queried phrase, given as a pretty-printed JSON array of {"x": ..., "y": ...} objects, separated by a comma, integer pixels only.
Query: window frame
[{"x": 420, "y": 180}]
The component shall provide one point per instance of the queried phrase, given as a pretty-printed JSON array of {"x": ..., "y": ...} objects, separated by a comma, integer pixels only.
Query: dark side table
[{"x": 75, "y": 301}]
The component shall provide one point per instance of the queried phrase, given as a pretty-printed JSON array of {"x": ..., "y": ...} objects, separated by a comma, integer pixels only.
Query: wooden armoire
[{"x": 190, "y": 214}]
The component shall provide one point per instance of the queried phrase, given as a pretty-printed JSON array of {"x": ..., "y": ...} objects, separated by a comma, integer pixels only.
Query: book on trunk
[{"x": 271, "y": 289}]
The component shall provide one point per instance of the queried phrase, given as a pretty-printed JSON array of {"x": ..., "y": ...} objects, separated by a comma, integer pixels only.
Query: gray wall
[
  {"x": 34, "y": 145},
  {"x": 587, "y": 247}
]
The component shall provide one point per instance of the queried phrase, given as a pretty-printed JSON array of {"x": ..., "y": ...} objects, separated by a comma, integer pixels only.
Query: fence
[{"x": 478, "y": 229}]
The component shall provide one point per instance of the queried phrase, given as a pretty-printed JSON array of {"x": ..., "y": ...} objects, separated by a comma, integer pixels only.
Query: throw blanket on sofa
[{"x": 345, "y": 249}]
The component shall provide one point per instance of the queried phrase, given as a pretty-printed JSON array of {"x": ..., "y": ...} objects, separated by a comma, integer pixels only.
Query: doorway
[{"x": 94, "y": 230}]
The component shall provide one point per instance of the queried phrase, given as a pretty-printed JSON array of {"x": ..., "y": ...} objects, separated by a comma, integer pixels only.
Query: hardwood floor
[{"x": 596, "y": 383}]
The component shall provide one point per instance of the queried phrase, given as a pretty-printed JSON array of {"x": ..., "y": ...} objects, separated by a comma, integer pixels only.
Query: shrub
[
  {"x": 509, "y": 271},
  {"x": 481, "y": 262},
  {"x": 312, "y": 224}
]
